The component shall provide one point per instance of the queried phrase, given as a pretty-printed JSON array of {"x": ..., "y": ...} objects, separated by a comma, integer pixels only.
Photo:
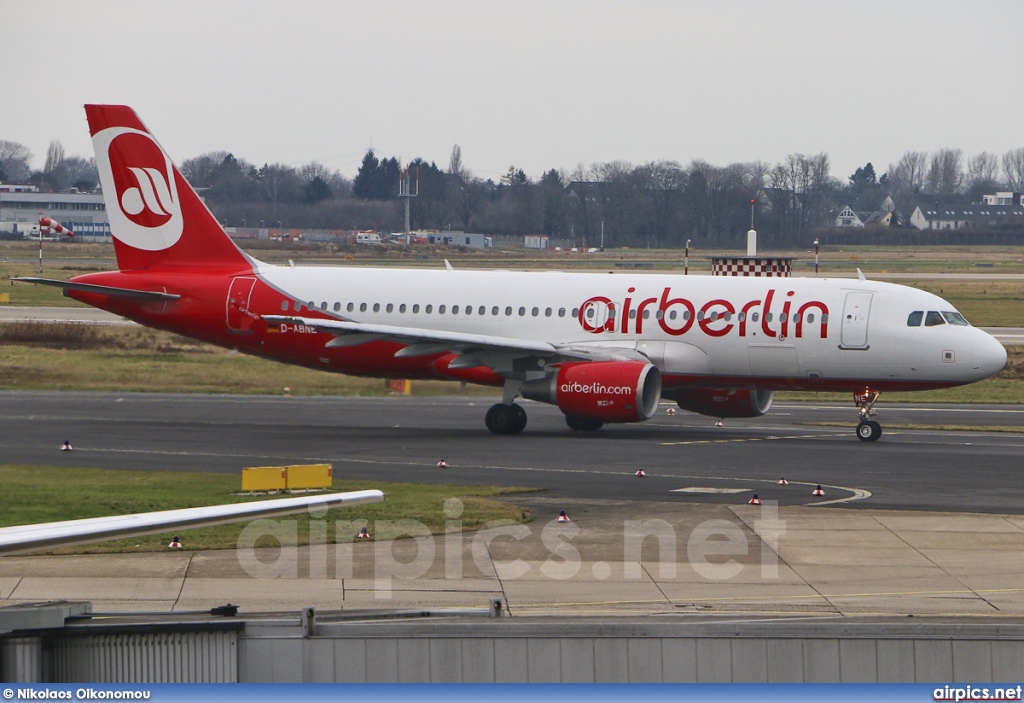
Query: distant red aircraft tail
[{"x": 156, "y": 217}]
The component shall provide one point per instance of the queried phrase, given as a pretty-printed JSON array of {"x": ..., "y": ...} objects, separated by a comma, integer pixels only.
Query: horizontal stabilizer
[{"x": 101, "y": 290}]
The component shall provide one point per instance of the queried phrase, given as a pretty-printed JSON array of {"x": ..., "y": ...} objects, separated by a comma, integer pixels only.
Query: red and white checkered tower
[{"x": 752, "y": 264}]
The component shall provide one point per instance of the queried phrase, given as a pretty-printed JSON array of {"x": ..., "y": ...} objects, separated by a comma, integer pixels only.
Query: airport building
[{"x": 82, "y": 213}]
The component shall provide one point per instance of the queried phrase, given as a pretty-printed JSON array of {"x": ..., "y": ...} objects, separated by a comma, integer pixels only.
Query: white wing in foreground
[{"x": 49, "y": 535}]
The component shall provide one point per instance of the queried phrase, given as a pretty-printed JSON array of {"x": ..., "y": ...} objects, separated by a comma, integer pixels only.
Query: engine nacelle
[
  {"x": 724, "y": 402},
  {"x": 612, "y": 391}
]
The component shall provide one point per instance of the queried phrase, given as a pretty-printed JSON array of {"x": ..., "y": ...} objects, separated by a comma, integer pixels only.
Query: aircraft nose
[{"x": 989, "y": 356}]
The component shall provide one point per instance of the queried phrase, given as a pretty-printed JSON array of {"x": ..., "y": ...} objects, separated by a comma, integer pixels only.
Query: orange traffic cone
[
  {"x": 817, "y": 491},
  {"x": 363, "y": 534},
  {"x": 562, "y": 517},
  {"x": 175, "y": 544},
  {"x": 754, "y": 501}
]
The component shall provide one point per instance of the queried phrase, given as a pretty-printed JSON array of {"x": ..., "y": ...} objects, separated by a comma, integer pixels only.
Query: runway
[{"x": 686, "y": 459}]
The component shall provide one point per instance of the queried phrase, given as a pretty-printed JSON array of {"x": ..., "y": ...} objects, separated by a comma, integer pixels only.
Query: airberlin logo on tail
[{"x": 134, "y": 169}]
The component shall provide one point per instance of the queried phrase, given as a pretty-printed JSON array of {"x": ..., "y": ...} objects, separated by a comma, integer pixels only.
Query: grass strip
[{"x": 34, "y": 494}]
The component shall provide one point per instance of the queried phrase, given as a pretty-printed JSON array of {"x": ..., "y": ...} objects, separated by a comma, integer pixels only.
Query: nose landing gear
[{"x": 868, "y": 430}]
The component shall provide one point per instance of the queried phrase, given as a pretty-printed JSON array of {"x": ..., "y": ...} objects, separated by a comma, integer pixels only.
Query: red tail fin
[{"x": 156, "y": 218}]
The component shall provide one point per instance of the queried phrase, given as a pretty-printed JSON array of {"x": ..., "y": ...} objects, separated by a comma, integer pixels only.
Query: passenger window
[
  {"x": 753, "y": 317},
  {"x": 768, "y": 317},
  {"x": 535, "y": 311},
  {"x": 284, "y": 306},
  {"x": 522, "y": 311},
  {"x": 440, "y": 309},
  {"x": 494, "y": 310},
  {"x": 671, "y": 314},
  {"x": 508, "y": 311},
  {"x": 561, "y": 312},
  {"x": 632, "y": 314},
  {"x": 742, "y": 317},
  {"x": 700, "y": 315},
  {"x": 401, "y": 308},
  {"x": 659, "y": 314},
  {"x": 824, "y": 319},
  {"x": 647, "y": 314},
  {"x": 933, "y": 318},
  {"x": 311, "y": 305},
  {"x": 575, "y": 312},
  {"x": 547, "y": 312},
  {"x": 469, "y": 309},
  {"x": 810, "y": 317},
  {"x": 390, "y": 307},
  {"x": 297, "y": 306},
  {"x": 362, "y": 307},
  {"x": 455, "y": 309},
  {"x": 337, "y": 307},
  {"x": 914, "y": 318},
  {"x": 590, "y": 313},
  {"x": 428, "y": 309},
  {"x": 416, "y": 308},
  {"x": 686, "y": 314},
  {"x": 955, "y": 318},
  {"x": 376, "y": 307},
  {"x": 483, "y": 311},
  {"x": 350, "y": 307}
]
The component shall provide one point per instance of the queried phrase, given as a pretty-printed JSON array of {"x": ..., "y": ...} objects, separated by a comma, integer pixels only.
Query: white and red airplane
[{"x": 603, "y": 348}]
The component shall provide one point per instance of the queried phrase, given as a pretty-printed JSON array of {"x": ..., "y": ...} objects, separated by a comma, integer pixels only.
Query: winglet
[
  {"x": 448, "y": 266},
  {"x": 861, "y": 276}
]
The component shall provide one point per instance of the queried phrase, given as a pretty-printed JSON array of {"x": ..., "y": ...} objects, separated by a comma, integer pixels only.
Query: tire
[
  {"x": 869, "y": 431},
  {"x": 520, "y": 418},
  {"x": 505, "y": 419},
  {"x": 583, "y": 424}
]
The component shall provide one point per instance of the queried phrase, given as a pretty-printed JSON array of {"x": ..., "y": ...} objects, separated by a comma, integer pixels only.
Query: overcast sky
[{"x": 547, "y": 84}]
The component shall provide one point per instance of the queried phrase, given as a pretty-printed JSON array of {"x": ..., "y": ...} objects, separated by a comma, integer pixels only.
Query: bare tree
[
  {"x": 201, "y": 170},
  {"x": 14, "y": 161},
  {"x": 982, "y": 175},
  {"x": 455, "y": 165},
  {"x": 1013, "y": 167},
  {"x": 906, "y": 176},
  {"x": 945, "y": 172},
  {"x": 54, "y": 157}
]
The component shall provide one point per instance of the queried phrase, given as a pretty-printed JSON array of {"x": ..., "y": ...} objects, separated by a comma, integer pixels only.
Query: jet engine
[
  {"x": 723, "y": 402},
  {"x": 609, "y": 391}
]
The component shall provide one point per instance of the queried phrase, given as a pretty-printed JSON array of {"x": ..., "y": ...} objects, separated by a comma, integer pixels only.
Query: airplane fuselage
[{"x": 770, "y": 333}]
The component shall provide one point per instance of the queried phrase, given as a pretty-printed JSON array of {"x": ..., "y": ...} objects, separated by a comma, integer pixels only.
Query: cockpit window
[
  {"x": 954, "y": 318},
  {"x": 933, "y": 318},
  {"x": 914, "y": 319}
]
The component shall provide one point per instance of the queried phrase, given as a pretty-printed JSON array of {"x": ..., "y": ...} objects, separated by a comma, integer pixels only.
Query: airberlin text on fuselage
[{"x": 715, "y": 318}]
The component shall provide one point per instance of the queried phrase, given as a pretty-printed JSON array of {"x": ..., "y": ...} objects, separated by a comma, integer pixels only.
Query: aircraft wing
[
  {"x": 429, "y": 341},
  {"x": 49, "y": 535}
]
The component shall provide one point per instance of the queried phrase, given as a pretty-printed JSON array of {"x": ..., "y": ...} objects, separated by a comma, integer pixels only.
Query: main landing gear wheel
[
  {"x": 869, "y": 431},
  {"x": 583, "y": 424},
  {"x": 506, "y": 418}
]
